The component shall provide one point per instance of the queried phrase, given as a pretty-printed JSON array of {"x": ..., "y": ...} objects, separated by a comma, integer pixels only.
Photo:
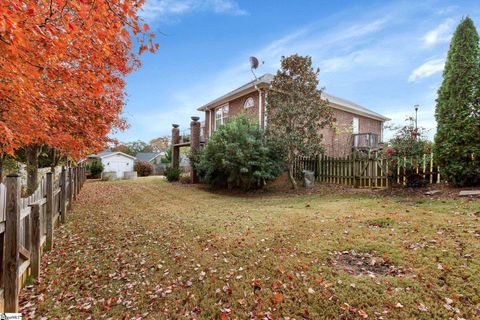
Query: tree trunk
[
  {"x": 53, "y": 155},
  {"x": 291, "y": 177},
  {"x": 2, "y": 157},
  {"x": 32, "y": 152},
  {"x": 1, "y": 170}
]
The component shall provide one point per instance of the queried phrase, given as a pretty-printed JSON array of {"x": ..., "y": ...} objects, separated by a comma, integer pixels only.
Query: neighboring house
[
  {"x": 155, "y": 158},
  {"x": 152, "y": 157},
  {"x": 114, "y": 161},
  {"x": 355, "y": 126}
]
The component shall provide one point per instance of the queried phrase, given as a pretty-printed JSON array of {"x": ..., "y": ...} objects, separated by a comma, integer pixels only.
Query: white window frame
[
  {"x": 222, "y": 111},
  {"x": 249, "y": 99},
  {"x": 355, "y": 125}
]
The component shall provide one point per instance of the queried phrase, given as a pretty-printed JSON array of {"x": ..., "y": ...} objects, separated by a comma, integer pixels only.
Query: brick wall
[
  {"x": 337, "y": 142},
  {"x": 235, "y": 108}
]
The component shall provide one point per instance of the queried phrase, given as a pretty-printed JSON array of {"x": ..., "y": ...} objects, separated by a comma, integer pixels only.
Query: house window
[
  {"x": 355, "y": 125},
  {"x": 221, "y": 116},
  {"x": 248, "y": 103}
]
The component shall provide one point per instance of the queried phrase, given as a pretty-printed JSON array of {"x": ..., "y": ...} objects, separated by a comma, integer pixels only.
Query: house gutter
[
  {"x": 209, "y": 113},
  {"x": 265, "y": 117},
  {"x": 260, "y": 105},
  {"x": 265, "y": 114},
  {"x": 381, "y": 131}
]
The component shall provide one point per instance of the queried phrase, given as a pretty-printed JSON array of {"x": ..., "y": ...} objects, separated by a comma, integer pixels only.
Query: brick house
[{"x": 354, "y": 126}]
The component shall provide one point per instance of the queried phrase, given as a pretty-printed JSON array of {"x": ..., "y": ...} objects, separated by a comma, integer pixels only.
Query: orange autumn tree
[{"x": 62, "y": 70}]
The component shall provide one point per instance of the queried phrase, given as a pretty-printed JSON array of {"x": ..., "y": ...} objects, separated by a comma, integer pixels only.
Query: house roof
[
  {"x": 352, "y": 107},
  {"x": 264, "y": 82},
  {"x": 148, "y": 156},
  {"x": 109, "y": 153}
]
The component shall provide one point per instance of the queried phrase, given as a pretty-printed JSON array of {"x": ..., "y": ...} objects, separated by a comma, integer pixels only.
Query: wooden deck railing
[
  {"x": 27, "y": 227},
  {"x": 365, "y": 140}
]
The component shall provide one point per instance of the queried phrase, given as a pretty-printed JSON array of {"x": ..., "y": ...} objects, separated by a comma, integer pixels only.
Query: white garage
[{"x": 115, "y": 161}]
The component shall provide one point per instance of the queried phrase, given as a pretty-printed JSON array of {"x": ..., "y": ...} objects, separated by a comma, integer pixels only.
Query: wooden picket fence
[
  {"x": 27, "y": 227},
  {"x": 366, "y": 172}
]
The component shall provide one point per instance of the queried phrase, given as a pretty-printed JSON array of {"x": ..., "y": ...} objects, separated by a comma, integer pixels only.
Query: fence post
[
  {"x": 77, "y": 179},
  {"x": 81, "y": 177},
  {"x": 195, "y": 128},
  {"x": 74, "y": 186},
  {"x": 424, "y": 166},
  {"x": 175, "y": 148},
  {"x": 387, "y": 173},
  {"x": 356, "y": 173},
  {"x": 75, "y": 183},
  {"x": 36, "y": 238},
  {"x": 63, "y": 195},
  {"x": 12, "y": 242},
  {"x": 49, "y": 212},
  {"x": 70, "y": 188}
]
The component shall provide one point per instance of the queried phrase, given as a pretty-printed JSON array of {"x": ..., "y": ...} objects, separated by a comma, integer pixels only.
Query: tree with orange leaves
[{"x": 62, "y": 72}]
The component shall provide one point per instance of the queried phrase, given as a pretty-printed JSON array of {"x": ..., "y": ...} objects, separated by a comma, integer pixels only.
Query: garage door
[{"x": 120, "y": 167}]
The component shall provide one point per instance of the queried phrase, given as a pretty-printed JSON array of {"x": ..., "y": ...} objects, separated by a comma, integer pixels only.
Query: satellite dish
[{"x": 253, "y": 62}]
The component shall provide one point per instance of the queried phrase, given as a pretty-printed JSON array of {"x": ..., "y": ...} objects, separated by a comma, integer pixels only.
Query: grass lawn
[{"x": 154, "y": 250}]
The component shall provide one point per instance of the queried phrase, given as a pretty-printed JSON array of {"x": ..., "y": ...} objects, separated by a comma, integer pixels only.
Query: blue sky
[{"x": 384, "y": 55}]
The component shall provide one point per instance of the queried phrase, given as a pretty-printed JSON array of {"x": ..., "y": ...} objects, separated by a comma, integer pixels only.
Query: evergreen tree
[{"x": 457, "y": 142}]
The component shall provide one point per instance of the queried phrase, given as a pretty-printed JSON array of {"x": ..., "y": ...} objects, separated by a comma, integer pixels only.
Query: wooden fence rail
[
  {"x": 367, "y": 172},
  {"x": 27, "y": 227}
]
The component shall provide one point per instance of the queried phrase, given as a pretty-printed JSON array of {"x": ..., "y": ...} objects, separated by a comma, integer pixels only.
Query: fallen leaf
[
  {"x": 362, "y": 314},
  {"x": 345, "y": 306},
  {"x": 277, "y": 296},
  {"x": 422, "y": 307}
]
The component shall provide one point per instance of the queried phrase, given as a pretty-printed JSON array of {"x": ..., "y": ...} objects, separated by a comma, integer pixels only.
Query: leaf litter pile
[{"x": 148, "y": 249}]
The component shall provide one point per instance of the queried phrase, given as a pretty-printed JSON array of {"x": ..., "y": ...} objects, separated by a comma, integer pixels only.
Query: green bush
[
  {"x": 238, "y": 155},
  {"x": 143, "y": 168},
  {"x": 172, "y": 174},
  {"x": 96, "y": 169}
]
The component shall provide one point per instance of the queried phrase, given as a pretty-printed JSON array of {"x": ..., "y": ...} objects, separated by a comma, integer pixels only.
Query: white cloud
[
  {"x": 440, "y": 34},
  {"x": 314, "y": 41},
  {"x": 162, "y": 9},
  {"x": 225, "y": 6},
  {"x": 307, "y": 40},
  {"x": 351, "y": 53},
  {"x": 373, "y": 56},
  {"x": 446, "y": 10},
  {"x": 363, "y": 29},
  {"x": 427, "y": 69},
  {"x": 310, "y": 40}
]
